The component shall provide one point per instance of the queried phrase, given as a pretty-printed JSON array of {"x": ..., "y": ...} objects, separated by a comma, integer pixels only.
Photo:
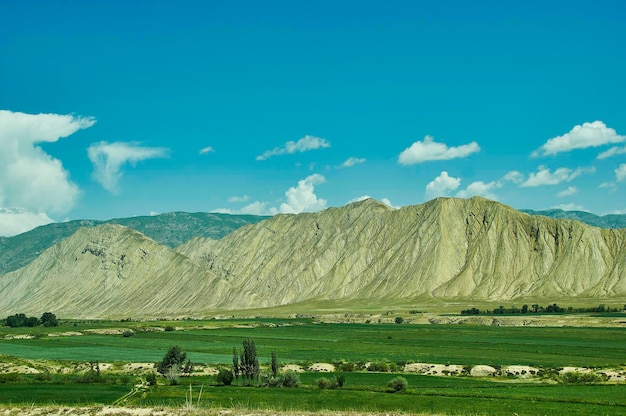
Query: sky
[{"x": 114, "y": 109}]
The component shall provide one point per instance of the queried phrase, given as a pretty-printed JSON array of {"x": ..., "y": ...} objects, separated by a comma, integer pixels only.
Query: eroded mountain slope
[{"x": 447, "y": 248}]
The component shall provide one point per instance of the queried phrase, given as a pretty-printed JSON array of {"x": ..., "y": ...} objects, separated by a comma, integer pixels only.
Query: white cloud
[
  {"x": 580, "y": 137},
  {"x": 613, "y": 151},
  {"x": 385, "y": 201},
  {"x": 30, "y": 179},
  {"x": 442, "y": 185},
  {"x": 570, "y": 207},
  {"x": 352, "y": 161},
  {"x": 205, "y": 150},
  {"x": 243, "y": 198},
  {"x": 302, "y": 197},
  {"x": 108, "y": 159},
  {"x": 303, "y": 145},
  {"x": 17, "y": 221},
  {"x": 480, "y": 188},
  {"x": 620, "y": 172},
  {"x": 430, "y": 150},
  {"x": 611, "y": 186},
  {"x": 572, "y": 190},
  {"x": 514, "y": 176},
  {"x": 544, "y": 177},
  {"x": 359, "y": 199}
]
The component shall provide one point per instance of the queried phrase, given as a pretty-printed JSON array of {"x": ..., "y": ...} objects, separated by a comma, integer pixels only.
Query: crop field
[{"x": 303, "y": 341}]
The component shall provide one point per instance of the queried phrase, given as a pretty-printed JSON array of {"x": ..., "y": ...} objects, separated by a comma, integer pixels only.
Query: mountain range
[
  {"x": 365, "y": 253},
  {"x": 170, "y": 229}
]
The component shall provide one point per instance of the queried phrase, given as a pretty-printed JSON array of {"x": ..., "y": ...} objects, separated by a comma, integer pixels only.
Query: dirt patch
[
  {"x": 293, "y": 367},
  {"x": 65, "y": 334},
  {"x": 322, "y": 367}
]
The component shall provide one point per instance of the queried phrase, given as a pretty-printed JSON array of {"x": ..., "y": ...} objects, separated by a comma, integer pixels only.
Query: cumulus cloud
[
  {"x": 32, "y": 181},
  {"x": 108, "y": 159},
  {"x": 620, "y": 172},
  {"x": 442, "y": 185},
  {"x": 567, "y": 192},
  {"x": 480, "y": 188},
  {"x": 352, "y": 161},
  {"x": 18, "y": 221},
  {"x": 302, "y": 197},
  {"x": 422, "y": 151},
  {"x": 303, "y": 145},
  {"x": 514, "y": 176},
  {"x": 205, "y": 150},
  {"x": 243, "y": 198},
  {"x": 580, "y": 137},
  {"x": 545, "y": 177},
  {"x": 385, "y": 201}
]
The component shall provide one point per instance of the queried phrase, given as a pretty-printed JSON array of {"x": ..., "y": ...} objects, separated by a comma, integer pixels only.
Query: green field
[{"x": 304, "y": 341}]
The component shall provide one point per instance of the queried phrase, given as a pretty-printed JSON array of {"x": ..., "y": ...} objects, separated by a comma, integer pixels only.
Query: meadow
[{"x": 304, "y": 341}]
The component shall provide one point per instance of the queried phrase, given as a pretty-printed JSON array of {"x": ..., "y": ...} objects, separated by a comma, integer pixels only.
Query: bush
[
  {"x": 346, "y": 367},
  {"x": 323, "y": 383},
  {"x": 151, "y": 379},
  {"x": 398, "y": 384},
  {"x": 378, "y": 367},
  {"x": 169, "y": 328},
  {"x": 338, "y": 381},
  {"x": 128, "y": 333},
  {"x": 399, "y": 320},
  {"x": 224, "y": 377},
  {"x": 289, "y": 379},
  {"x": 582, "y": 378}
]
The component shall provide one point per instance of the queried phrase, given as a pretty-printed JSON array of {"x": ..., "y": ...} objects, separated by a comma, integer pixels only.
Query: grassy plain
[{"x": 304, "y": 341}]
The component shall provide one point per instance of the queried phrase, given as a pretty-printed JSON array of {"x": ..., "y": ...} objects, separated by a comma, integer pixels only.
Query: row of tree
[
  {"x": 19, "y": 319},
  {"x": 536, "y": 308}
]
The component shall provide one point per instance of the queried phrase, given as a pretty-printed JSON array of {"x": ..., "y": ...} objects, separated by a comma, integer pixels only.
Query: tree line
[
  {"x": 48, "y": 319},
  {"x": 539, "y": 309}
]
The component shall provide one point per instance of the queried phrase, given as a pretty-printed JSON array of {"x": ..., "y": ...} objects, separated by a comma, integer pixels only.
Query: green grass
[
  {"x": 367, "y": 392},
  {"x": 66, "y": 394},
  {"x": 454, "y": 344}
]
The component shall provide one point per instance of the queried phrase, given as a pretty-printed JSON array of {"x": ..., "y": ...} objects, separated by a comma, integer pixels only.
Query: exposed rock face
[{"x": 451, "y": 249}]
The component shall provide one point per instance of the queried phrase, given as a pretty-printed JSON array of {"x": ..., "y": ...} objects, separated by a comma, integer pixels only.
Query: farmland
[{"x": 303, "y": 342}]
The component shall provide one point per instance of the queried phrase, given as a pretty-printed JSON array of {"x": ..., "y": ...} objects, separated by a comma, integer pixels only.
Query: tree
[
  {"x": 249, "y": 362},
  {"x": 224, "y": 377},
  {"x": 188, "y": 369},
  {"x": 49, "y": 319},
  {"x": 399, "y": 319},
  {"x": 398, "y": 384},
  {"x": 274, "y": 364},
  {"x": 172, "y": 361},
  {"x": 236, "y": 363}
]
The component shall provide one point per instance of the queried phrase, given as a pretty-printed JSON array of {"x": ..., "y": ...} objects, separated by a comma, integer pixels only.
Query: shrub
[
  {"x": 289, "y": 379},
  {"x": 346, "y": 367},
  {"x": 151, "y": 379},
  {"x": 378, "y": 367},
  {"x": 225, "y": 377},
  {"x": 169, "y": 328},
  {"x": 323, "y": 383},
  {"x": 173, "y": 358},
  {"x": 338, "y": 381},
  {"x": 128, "y": 333},
  {"x": 399, "y": 320},
  {"x": 398, "y": 384}
]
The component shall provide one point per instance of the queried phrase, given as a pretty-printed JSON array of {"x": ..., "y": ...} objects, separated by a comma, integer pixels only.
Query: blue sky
[{"x": 115, "y": 108}]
